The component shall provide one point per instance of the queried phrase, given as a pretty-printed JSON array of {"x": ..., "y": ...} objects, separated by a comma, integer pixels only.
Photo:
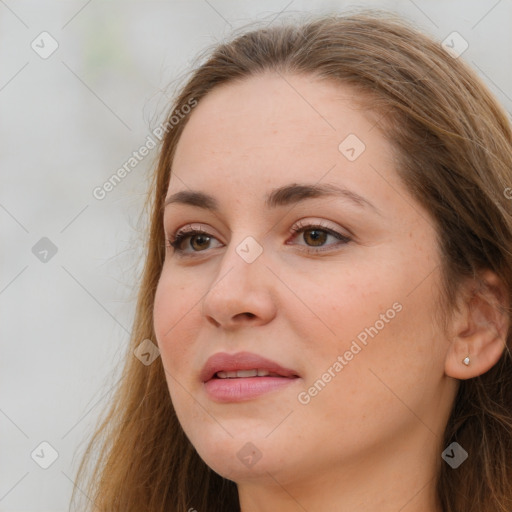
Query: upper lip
[{"x": 224, "y": 362}]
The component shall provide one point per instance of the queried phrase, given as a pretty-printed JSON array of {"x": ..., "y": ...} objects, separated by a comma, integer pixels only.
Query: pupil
[
  {"x": 318, "y": 237},
  {"x": 200, "y": 240}
]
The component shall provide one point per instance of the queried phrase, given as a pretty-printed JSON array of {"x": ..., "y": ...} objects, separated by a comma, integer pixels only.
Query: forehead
[{"x": 269, "y": 130}]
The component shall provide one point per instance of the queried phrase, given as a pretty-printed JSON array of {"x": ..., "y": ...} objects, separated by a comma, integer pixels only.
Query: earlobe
[{"x": 479, "y": 330}]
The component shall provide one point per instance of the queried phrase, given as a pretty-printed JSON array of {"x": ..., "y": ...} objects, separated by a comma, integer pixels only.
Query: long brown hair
[{"x": 453, "y": 143}]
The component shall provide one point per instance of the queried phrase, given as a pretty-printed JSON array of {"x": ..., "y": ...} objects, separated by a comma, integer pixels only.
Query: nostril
[{"x": 249, "y": 315}]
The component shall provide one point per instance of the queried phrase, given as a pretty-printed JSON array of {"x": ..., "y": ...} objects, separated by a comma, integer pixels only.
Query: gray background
[{"x": 67, "y": 123}]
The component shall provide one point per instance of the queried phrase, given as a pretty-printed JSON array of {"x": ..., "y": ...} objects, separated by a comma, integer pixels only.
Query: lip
[
  {"x": 222, "y": 361},
  {"x": 243, "y": 388}
]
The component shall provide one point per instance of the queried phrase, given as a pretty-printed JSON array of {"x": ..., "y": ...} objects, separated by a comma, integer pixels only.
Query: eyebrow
[{"x": 282, "y": 196}]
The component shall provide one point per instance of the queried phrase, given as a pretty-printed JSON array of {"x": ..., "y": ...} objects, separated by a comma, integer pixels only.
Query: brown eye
[
  {"x": 190, "y": 242},
  {"x": 315, "y": 237},
  {"x": 199, "y": 242}
]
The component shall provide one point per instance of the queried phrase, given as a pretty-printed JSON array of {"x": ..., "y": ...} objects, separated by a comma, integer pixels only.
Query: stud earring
[{"x": 466, "y": 360}]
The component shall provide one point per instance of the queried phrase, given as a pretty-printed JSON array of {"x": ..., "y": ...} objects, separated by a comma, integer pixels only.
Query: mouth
[
  {"x": 242, "y": 365},
  {"x": 243, "y": 376}
]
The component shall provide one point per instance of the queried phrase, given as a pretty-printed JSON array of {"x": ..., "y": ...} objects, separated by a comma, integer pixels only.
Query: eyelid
[
  {"x": 309, "y": 222},
  {"x": 193, "y": 227}
]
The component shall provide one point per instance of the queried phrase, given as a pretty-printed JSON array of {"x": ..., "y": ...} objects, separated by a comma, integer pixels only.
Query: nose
[{"x": 242, "y": 293}]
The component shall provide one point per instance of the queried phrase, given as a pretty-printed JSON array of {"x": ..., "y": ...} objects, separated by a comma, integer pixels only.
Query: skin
[{"x": 371, "y": 438}]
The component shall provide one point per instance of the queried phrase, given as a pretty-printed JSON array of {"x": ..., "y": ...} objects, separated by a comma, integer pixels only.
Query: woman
[{"x": 328, "y": 281}]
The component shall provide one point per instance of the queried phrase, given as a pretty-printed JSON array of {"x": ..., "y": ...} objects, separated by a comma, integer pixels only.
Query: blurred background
[{"x": 82, "y": 85}]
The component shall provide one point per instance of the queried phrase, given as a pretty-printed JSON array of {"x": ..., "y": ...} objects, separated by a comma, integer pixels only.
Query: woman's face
[{"x": 337, "y": 285}]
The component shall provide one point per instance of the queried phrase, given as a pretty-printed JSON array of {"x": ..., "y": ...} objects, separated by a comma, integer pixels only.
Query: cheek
[
  {"x": 344, "y": 304},
  {"x": 176, "y": 317},
  {"x": 371, "y": 315},
  {"x": 176, "y": 309}
]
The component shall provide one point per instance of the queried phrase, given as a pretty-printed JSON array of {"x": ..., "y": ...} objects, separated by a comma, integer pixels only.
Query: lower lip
[{"x": 240, "y": 389}]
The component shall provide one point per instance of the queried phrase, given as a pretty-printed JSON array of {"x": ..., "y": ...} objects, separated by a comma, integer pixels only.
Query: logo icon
[
  {"x": 249, "y": 455},
  {"x": 146, "y": 352},
  {"x": 455, "y": 44},
  {"x": 454, "y": 455},
  {"x": 44, "y": 250},
  {"x": 44, "y": 455},
  {"x": 249, "y": 249},
  {"x": 351, "y": 147},
  {"x": 44, "y": 45}
]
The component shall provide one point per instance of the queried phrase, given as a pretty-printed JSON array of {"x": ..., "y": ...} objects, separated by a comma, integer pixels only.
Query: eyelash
[{"x": 183, "y": 234}]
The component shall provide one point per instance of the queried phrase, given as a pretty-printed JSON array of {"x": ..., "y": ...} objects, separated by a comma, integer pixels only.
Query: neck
[{"x": 389, "y": 479}]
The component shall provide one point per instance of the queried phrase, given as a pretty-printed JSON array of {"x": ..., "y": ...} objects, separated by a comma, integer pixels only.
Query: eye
[
  {"x": 198, "y": 240},
  {"x": 316, "y": 235},
  {"x": 190, "y": 241}
]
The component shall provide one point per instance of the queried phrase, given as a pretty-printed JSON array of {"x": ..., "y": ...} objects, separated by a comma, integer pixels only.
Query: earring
[{"x": 466, "y": 360}]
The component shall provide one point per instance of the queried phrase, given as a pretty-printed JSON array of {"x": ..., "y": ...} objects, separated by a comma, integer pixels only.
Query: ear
[{"x": 480, "y": 329}]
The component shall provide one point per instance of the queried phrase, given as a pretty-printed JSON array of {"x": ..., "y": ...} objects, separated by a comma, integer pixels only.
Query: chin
[{"x": 239, "y": 457}]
